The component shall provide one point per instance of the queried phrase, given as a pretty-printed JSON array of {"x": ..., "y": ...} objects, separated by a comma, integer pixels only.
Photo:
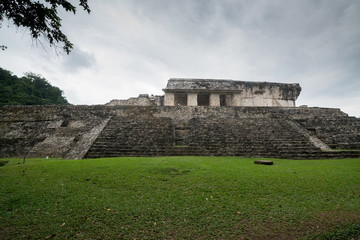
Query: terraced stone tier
[
  {"x": 124, "y": 136},
  {"x": 337, "y": 132},
  {"x": 17, "y": 138},
  {"x": 75, "y": 131},
  {"x": 255, "y": 137}
]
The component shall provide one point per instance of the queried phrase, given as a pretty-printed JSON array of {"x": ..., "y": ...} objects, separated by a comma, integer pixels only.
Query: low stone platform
[{"x": 263, "y": 162}]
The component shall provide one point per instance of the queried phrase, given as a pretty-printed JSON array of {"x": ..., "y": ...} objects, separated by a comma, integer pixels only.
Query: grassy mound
[{"x": 179, "y": 198}]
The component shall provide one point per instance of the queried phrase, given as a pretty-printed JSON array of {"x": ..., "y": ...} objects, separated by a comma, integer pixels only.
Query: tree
[
  {"x": 31, "y": 89},
  {"x": 41, "y": 18}
]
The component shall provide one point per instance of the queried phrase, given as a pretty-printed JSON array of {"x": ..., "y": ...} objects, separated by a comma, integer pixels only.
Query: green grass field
[{"x": 179, "y": 198}]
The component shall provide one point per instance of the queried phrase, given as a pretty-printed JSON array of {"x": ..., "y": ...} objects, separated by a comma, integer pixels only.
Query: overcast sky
[{"x": 125, "y": 48}]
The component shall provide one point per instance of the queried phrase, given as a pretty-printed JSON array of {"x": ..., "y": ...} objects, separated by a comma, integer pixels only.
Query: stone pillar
[
  {"x": 215, "y": 99},
  {"x": 259, "y": 100},
  {"x": 169, "y": 99},
  {"x": 192, "y": 99},
  {"x": 236, "y": 101}
]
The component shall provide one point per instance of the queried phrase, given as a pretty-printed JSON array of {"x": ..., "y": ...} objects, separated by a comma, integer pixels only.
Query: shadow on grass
[
  {"x": 341, "y": 232},
  {"x": 3, "y": 163}
]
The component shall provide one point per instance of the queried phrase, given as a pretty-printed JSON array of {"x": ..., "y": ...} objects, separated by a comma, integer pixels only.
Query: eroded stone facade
[
  {"x": 141, "y": 100},
  {"x": 108, "y": 131},
  {"x": 216, "y": 92},
  {"x": 220, "y": 117}
]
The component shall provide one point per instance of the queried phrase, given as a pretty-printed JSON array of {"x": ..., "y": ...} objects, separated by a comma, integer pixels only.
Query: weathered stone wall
[
  {"x": 72, "y": 140},
  {"x": 337, "y": 132},
  {"x": 51, "y": 112},
  {"x": 18, "y": 137},
  {"x": 55, "y": 131},
  {"x": 57, "y": 113},
  {"x": 188, "y": 92},
  {"x": 180, "y": 114},
  {"x": 238, "y": 93},
  {"x": 70, "y": 131},
  {"x": 141, "y": 100}
]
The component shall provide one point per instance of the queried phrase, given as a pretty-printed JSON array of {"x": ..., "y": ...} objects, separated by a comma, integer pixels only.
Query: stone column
[
  {"x": 259, "y": 100},
  {"x": 169, "y": 99},
  {"x": 236, "y": 99},
  {"x": 192, "y": 99},
  {"x": 215, "y": 99}
]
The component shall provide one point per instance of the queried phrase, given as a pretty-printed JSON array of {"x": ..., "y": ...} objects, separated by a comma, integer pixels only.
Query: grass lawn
[{"x": 179, "y": 198}]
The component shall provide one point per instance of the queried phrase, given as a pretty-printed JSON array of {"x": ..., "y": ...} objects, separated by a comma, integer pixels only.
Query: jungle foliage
[{"x": 32, "y": 89}]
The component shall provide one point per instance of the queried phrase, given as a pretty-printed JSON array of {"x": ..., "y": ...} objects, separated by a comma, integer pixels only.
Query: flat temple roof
[{"x": 220, "y": 84}]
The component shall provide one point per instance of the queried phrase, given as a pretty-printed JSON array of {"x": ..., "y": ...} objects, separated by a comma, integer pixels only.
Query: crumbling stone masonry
[
  {"x": 194, "y": 117},
  {"x": 214, "y": 92},
  {"x": 218, "y": 92},
  {"x": 77, "y": 132}
]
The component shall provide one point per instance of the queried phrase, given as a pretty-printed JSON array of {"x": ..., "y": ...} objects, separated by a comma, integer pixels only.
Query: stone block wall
[
  {"x": 17, "y": 138},
  {"x": 141, "y": 100},
  {"x": 55, "y": 131},
  {"x": 337, "y": 132},
  {"x": 124, "y": 136},
  {"x": 255, "y": 137},
  {"x": 242, "y": 93},
  {"x": 97, "y": 131},
  {"x": 71, "y": 140}
]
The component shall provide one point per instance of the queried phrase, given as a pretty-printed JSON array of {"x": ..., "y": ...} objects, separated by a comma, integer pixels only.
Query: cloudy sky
[{"x": 124, "y": 48}]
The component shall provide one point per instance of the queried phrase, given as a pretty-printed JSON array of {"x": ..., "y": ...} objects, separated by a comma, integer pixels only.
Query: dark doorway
[
  {"x": 203, "y": 99},
  {"x": 225, "y": 100},
  {"x": 222, "y": 100},
  {"x": 180, "y": 99}
]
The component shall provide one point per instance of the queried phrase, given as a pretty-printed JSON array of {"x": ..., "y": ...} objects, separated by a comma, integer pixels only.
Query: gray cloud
[
  {"x": 129, "y": 47},
  {"x": 79, "y": 59}
]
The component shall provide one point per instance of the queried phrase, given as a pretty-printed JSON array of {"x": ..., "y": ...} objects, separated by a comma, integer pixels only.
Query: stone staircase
[
  {"x": 130, "y": 136},
  {"x": 85, "y": 131},
  {"x": 260, "y": 137},
  {"x": 248, "y": 137},
  {"x": 185, "y": 151}
]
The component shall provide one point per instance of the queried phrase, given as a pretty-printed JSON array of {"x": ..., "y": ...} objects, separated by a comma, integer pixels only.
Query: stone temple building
[
  {"x": 216, "y": 92},
  {"x": 193, "y": 117}
]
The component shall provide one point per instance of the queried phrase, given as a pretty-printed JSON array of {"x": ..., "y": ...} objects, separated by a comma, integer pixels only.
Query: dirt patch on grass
[
  {"x": 325, "y": 221},
  {"x": 169, "y": 171},
  {"x": 320, "y": 223}
]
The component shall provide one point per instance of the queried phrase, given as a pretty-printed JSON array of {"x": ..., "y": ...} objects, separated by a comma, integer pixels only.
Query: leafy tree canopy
[
  {"x": 40, "y": 17},
  {"x": 31, "y": 89}
]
